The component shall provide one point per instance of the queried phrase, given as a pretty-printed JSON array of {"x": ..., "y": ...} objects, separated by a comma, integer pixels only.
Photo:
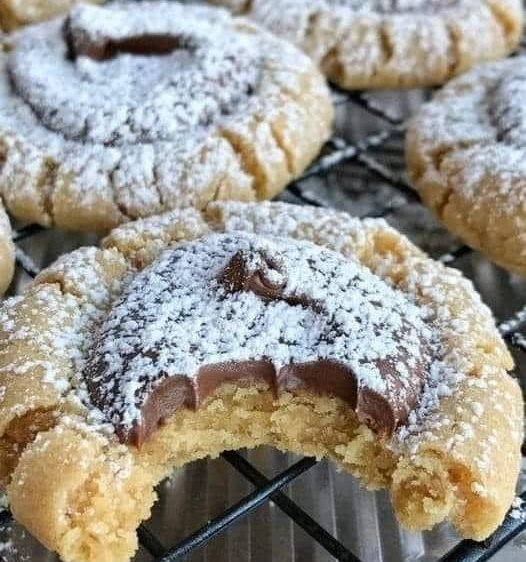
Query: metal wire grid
[{"x": 362, "y": 153}]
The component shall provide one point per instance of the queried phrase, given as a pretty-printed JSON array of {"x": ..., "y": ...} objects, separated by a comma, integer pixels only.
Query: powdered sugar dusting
[
  {"x": 478, "y": 126},
  {"x": 134, "y": 134},
  {"x": 507, "y": 107},
  {"x": 60, "y": 343},
  {"x": 448, "y": 379},
  {"x": 135, "y": 98},
  {"x": 176, "y": 317},
  {"x": 392, "y": 43}
]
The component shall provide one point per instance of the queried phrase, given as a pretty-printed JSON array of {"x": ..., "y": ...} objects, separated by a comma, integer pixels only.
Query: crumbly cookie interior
[
  {"x": 395, "y": 6},
  {"x": 104, "y": 510}
]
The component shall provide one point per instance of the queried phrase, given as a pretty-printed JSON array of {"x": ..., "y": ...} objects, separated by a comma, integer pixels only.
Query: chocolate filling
[
  {"x": 104, "y": 48},
  {"x": 265, "y": 276},
  {"x": 237, "y": 276},
  {"x": 324, "y": 377}
]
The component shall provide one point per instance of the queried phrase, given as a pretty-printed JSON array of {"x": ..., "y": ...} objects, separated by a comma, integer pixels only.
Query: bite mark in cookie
[{"x": 247, "y": 307}]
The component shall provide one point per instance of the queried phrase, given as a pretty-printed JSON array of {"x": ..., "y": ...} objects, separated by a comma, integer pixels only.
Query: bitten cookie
[
  {"x": 466, "y": 158},
  {"x": 306, "y": 329},
  {"x": 127, "y": 110},
  {"x": 7, "y": 252},
  {"x": 14, "y": 13},
  {"x": 391, "y": 43}
]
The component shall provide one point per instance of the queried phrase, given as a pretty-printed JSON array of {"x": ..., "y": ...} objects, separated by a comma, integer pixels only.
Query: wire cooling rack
[{"x": 360, "y": 170}]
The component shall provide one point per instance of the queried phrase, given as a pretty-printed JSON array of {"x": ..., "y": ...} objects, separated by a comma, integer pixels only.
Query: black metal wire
[
  {"x": 337, "y": 152},
  {"x": 305, "y": 521},
  {"x": 240, "y": 509},
  {"x": 471, "y": 551},
  {"x": 150, "y": 542}
]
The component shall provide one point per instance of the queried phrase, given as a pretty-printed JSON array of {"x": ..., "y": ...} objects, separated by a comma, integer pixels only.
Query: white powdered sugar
[
  {"x": 361, "y": 7},
  {"x": 361, "y": 44},
  {"x": 477, "y": 126},
  {"x": 59, "y": 344},
  {"x": 177, "y": 316},
  {"x": 135, "y": 97},
  {"x": 133, "y": 134}
]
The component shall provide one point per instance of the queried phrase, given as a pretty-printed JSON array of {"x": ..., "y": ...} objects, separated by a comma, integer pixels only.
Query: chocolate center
[
  {"x": 102, "y": 48},
  {"x": 135, "y": 73},
  {"x": 256, "y": 272},
  {"x": 243, "y": 308}
]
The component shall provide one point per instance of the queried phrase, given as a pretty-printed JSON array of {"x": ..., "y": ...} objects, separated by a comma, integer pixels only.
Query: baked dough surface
[
  {"x": 15, "y": 13},
  {"x": 458, "y": 461},
  {"x": 391, "y": 44},
  {"x": 236, "y": 115},
  {"x": 465, "y": 156}
]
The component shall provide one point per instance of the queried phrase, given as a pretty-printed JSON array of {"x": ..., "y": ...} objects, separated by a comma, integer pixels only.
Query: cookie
[
  {"x": 249, "y": 324},
  {"x": 128, "y": 110},
  {"x": 465, "y": 156},
  {"x": 14, "y": 13},
  {"x": 391, "y": 43},
  {"x": 7, "y": 252}
]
